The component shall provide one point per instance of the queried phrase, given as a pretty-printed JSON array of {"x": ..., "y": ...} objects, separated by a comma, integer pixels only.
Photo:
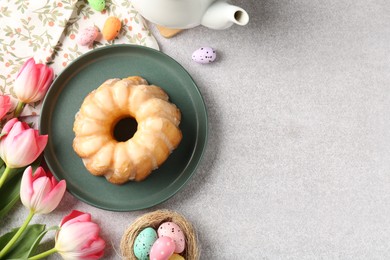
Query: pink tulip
[
  {"x": 21, "y": 145},
  {"x": 41, "y": 193},
  {"x": 32, "y": 81},
  {"x": 5, "y": 105},
  {"x": 78, "y": 237}
]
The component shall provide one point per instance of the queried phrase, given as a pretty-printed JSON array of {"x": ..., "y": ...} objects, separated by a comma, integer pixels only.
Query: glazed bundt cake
[{"x": 157, "y": 133}]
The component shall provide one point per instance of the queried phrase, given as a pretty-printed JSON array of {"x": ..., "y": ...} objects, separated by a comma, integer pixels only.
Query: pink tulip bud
[
  {"x": 78, "y": 237},
  {"x": 32, "y": 81},
  {"x": 21, "y": 145},
  {"x": 5, "y": 105},
  {"x": 41, "y": 193}
]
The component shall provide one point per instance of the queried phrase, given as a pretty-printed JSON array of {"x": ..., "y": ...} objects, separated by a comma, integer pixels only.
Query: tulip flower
[
  {"x": 78, "y": 238},
  {"x": 41, "y": 194},
  {"x": 5, "y": 105},
  {"x": 31, "y": 83},
  {"x": 20, "y": 145}
]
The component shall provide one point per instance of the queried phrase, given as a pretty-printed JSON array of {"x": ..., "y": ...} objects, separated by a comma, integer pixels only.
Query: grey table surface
[{"x": 297, "y": 162}]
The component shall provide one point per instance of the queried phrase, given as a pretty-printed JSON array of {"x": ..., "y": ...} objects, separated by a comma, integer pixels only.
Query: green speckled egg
[
  {"x": 144, "y": 242},
  {"x": 97, "y": 5}
]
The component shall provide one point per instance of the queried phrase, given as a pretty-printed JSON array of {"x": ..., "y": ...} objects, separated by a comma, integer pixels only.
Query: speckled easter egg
[
  {"x": 204, "y": 55},
  {"x": 111, "y": 28},
  {"x": 172, "y": 230},
  {"x": 97, "y": 5},
  {"x": 176, "y": 257},
  {"x": 87, "y": 36},
  {"x": 144, "y": 242},
  {"x": 162, "y": 249}
]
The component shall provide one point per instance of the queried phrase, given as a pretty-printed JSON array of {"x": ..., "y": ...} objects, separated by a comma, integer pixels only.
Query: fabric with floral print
[{"x": 48, "y": 31}]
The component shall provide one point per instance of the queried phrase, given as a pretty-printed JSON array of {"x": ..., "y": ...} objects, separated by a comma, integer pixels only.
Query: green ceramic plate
[{"x": 88, "y": 72}]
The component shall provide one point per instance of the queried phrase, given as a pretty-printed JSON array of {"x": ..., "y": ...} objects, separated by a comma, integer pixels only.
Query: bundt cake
[{"x": 157, "y": 133}]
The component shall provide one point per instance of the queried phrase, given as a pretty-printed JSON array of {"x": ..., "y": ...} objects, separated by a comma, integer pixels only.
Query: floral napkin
[{"x": 48, "y": 31}]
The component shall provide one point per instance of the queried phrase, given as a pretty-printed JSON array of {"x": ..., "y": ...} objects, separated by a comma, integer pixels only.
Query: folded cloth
[
  {"x": 47, "y": 30},
  {"x": 29, "y": 29},
  {"x": 134, "y": 30}
]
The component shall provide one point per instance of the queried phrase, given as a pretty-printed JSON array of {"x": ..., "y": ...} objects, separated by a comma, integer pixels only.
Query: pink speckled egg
[
  {"x": 204, "y": 55},
  {"x": 87, "y": 36},
  {"x": 162, "y": 249},
  {"x": 172, "y": 230}
]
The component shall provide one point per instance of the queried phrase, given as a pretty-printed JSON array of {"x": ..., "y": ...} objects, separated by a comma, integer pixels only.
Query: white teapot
[{"x": 184, "y": 14}]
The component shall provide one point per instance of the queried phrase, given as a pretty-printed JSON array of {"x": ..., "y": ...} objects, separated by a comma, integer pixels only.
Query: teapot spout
[{"x": 221, "y": 15}]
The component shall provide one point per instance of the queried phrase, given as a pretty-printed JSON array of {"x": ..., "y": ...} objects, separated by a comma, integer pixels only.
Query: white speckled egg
[
  {"x": 87, "y": 36},
  {"x": 172, "y": 230},
  {"x": 144, "y": 242},
  {"x": 204, "y": 55},
  {"x": 162, "y": 249}
]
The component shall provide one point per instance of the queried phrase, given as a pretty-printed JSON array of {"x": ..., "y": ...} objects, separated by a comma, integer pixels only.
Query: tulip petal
[
  {"x": 26, "y": 187},
  {"x": 8, "y": 126},
  {"x": 38, "y": 92},
  {"x": 22, "y": 149},
  {"x": 41, "y": 141},
  {"x": 49, "y": 77},
  {"x": 25, "y": 84},
  {"x": 26, "y": 147},
  {"x": 3, "y": 140},
  {"x": 39, "y": 172},
  {"x": 75, "y": 216},
  {"x": 46, "y": 75},
  {"x": 54, "y": 182},
  {"x": 42, "y": 186},
  {"x": 94, "y": 250},
  {"x": 51, "y": 200},
  {"x": 71, "y": 215},
  {"x": 74, "y": 237},
  {"x": 7, "y": 147},
  {"x": 28, "y": 64},
  {"x": 5, "y": 105},
  {"x": 18, "y": 128},
  {"x": 8, "y": 141},
  {"x": 81, "y": 218}
]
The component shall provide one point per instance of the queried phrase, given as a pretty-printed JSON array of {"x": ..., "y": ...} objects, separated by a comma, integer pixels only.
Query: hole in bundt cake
[{"x": 125, "y": 129}]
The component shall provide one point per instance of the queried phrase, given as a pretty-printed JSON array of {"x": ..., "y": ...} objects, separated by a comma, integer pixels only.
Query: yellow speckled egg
[
  {"x": 111, "y": 28},
  {"x": 176, "y": 257}
]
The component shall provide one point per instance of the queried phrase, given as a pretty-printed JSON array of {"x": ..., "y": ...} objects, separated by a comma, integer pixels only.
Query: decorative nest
[{"x": 154, "y": 219}]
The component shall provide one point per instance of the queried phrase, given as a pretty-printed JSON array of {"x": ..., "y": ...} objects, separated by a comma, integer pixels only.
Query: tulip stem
[
  {"x": 44, "y": 254},
  {"x": 19, "y": 109},
  {"x": 17, "y": 235},
  {"x": 4, "y": 176}
]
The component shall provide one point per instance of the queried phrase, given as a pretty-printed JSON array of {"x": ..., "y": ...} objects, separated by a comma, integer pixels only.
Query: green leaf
[
  {"x": 22, "y": 248},
  {"x": 10, "y": 193},
  {"x": 35, "y": 245},
  {"x": 12, "y": 173}
]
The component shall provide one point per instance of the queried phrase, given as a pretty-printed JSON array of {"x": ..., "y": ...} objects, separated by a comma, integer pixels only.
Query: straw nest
[{"x": 154, "y": 219}]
